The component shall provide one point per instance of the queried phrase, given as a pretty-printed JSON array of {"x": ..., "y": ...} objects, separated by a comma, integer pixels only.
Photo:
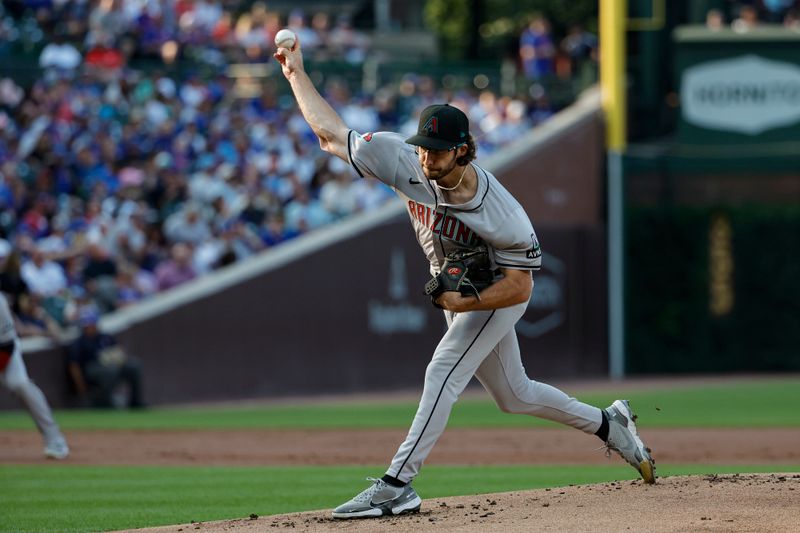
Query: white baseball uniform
[
  {"x": 15, "y": 378},
  {"x": 479, "y": 343}
]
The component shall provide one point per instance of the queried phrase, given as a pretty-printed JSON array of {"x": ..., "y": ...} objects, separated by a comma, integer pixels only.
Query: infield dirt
[{"x": 353, "y": 447}]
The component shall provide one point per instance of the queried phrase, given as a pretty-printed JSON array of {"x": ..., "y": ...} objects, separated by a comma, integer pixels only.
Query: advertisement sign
[{"x": 747, "y": 94}]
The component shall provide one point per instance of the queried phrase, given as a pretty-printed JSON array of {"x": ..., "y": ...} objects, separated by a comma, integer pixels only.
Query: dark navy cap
[{"x": 441, "y": 127}]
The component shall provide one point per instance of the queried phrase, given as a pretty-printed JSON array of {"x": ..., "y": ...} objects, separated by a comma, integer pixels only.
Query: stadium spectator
[
  {"x": 99, "y": 277},
  {"x": 791, "y": 19},
  {"x": 747, "y": 20},
  {"x": 337, "y": 194},
  {"x": 33, "y": 320},
  {"x": 11, "y": 95},
  {"x": 107, "y": 23},
  {"x": 44, "y": 277},
  {"x": 321, "y": 26},
  {"x": 540, "y": 109},
  {"x": 508, "y": 123},
  {"x": 345, "y": 41},
  {"x": 105, "y": 58},
  {"x": 536, "y": 49},
  {"x": 133, "y": 284},
  {"x": 187, "y": 225},
  {"x": 297, "y": 23},
  {"x": 177, "y": 269},
  {"x": 274, "y": 230},
  {"x": 715, "y": 20},
  {"x": 60, "y": 55},
  {"x": 206, "y": 15},
  {"x": 98, "y": 366},
  {"x": 304, "y": 213},
  {"x": 253, "y": 37},
  {"x": 370, "y": 194},
  {"x": 361, "y": 114},
  {"x": 581, "y": 47}
]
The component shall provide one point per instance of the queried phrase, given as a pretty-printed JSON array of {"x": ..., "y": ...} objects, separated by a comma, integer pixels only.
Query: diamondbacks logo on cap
[{"x": 432, "y": 126}]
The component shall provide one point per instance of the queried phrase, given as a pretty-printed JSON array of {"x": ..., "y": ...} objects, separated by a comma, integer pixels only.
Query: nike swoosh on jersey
[{"x": 412, "y": 181}]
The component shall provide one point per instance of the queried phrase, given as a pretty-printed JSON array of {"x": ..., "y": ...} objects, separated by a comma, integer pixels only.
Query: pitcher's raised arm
[{"x": 322, "y": 118}]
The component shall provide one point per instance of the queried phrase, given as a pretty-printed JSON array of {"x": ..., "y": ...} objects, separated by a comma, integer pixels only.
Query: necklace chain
[{"x": 454, "y": 187}]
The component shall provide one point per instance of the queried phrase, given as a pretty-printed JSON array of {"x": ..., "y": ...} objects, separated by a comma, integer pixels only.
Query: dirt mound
[{"x": 719, "y": 503}]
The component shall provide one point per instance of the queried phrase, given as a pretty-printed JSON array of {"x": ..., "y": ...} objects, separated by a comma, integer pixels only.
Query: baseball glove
[{"x": 464, "y": 271}]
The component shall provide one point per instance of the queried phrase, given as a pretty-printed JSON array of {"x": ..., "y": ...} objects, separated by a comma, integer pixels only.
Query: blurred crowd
[
  {"x": 743, "y": 16},
  {"x": 542, "y": 56},
  {"x": 110, "y": 33},
  {"x": 118, "y": 183}
]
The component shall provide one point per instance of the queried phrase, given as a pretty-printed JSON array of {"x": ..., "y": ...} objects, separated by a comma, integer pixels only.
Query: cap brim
[{"x": 431, "y": 144}]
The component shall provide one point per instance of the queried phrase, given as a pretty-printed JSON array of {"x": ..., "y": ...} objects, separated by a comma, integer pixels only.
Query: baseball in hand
[{"x": 285, "y": 39}]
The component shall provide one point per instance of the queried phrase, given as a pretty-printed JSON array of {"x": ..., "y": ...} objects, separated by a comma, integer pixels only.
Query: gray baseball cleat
[
  {"x": 56, "y": 449},
  {"x": 380, "y": 499},
  {"x": 624, "y": 439}
]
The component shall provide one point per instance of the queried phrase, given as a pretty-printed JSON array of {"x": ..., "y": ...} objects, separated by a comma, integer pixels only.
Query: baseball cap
[{"x": 441, "y": 127}]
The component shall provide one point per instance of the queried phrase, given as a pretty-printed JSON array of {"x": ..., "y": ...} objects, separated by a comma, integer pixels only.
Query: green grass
[
  {"x": 63, "y": 498},
  {"x": 758, "y": 404}
]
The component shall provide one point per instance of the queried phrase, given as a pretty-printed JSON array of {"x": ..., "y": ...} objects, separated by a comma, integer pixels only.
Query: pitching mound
[{"x": 736, "y": 502}]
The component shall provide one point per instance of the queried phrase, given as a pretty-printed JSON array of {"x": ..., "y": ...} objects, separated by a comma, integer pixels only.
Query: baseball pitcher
[{"x": 482, "y": 249}]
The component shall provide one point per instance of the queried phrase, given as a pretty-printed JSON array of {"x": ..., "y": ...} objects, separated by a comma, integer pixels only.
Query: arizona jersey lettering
[{"x": 492, "y": 217}]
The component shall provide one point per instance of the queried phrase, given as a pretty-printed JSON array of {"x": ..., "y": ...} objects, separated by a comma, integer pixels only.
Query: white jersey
[
  {"x": 492, "y": 218},
  {"x": 8, "y": 332}
]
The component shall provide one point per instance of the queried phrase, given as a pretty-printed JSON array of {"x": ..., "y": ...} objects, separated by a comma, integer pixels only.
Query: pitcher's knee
[
  {"x": 16, "y": 385},
  {"x": 512, "y": 407}
]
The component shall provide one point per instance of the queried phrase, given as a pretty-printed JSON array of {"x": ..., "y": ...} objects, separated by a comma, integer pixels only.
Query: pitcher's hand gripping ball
[
  {"x": 464, "y": 271},
  {"x": 285, "y": 39}
]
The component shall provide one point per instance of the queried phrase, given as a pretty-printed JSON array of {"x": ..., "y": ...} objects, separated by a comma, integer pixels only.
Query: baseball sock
[
  {"x": 603, "y": 431},
  {"x": 394, "y": 482}
]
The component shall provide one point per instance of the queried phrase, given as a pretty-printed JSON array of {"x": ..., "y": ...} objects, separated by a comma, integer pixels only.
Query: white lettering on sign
[
  {"x": 397, "y": 315},
  {"x": 747, "y": 94}
]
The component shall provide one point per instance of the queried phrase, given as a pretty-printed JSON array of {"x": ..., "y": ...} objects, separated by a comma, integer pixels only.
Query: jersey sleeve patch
[
  {"x": 526, "y": 255},
  {"x": 535, "y": 250}
]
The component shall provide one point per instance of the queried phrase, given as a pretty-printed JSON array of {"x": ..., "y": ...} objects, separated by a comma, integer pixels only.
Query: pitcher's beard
[{"x": 437, "y": 174}]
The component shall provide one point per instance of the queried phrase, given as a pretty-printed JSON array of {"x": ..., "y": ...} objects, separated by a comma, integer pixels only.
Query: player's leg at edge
[
  {"x": 380, "y": 499},
  {"x": 623, "y": 438}
]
